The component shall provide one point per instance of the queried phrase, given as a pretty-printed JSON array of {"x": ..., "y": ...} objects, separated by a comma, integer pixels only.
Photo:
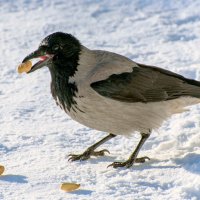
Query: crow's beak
[{"x": 44, "y": 59}]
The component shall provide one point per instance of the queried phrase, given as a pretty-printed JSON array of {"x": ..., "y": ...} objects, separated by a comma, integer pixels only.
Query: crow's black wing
[{"x": 146, "y": 84}]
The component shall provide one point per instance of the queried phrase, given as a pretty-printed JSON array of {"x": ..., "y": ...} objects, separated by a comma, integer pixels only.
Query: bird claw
[
  {"x": 117, "y": 164},
  {"x": 86, "y": 155},
  {"x": 100, "y": 153},
  {"x": 142, "y": 159},
  {"x": 128, "y": 163},
  {"x": 74, "y": 157}
]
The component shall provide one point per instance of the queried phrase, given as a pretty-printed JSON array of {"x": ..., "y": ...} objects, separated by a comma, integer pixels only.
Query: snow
[{"x": 36, "y": 136}]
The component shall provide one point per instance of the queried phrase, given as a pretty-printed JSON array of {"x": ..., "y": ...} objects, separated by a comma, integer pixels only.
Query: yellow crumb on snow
[
  {"x": 2, "y": 169},
  {"x": 69, "y": 187}
]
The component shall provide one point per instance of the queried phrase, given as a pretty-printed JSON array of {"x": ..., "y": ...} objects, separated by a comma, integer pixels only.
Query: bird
[{"x": 111, "y": 93}]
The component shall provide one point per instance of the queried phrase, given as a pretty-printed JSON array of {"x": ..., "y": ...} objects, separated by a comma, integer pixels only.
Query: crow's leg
[
  {"x": 133, "y": 158},
  {"x": 90, "y": 151}
]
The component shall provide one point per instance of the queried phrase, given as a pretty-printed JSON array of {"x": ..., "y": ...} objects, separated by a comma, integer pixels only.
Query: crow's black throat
[{"x": 63, "y": 67}]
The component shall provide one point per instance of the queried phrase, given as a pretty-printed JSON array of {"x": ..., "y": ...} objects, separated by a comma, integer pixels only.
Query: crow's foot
[
  {"x": 87, "y": 154},
  {"x": 129, "y": 162}
]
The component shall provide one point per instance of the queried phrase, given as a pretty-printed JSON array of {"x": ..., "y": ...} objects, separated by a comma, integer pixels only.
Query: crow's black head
[{"x": 58, "y": 50}]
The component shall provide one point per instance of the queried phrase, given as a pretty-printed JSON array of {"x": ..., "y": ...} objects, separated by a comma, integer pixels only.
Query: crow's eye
[{"x": 55, "y": 47}]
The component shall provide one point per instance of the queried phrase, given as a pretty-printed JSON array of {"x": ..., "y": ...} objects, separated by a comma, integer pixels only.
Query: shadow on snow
[{"x": 14, "y": 178}]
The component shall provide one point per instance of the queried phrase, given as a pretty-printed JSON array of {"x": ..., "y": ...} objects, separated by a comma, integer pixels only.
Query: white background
[{"x": 36, "y": 136}]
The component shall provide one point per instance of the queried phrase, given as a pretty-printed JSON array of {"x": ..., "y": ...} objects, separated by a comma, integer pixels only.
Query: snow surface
[{"x": 36, "y": 135}]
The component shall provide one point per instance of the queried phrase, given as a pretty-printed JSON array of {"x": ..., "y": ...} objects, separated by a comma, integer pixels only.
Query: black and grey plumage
[{"x": 111, "y": 93}]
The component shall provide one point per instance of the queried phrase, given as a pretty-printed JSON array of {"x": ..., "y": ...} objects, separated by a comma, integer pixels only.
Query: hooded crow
[{"x": 111, "y": 93}]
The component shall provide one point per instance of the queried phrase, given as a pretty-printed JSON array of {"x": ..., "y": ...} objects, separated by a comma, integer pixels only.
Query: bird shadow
[
  {"x": 152, "y": 164},
  {"x": 190, "y": 162},
  {"x": 148, "y": 165},
  {"x": 13, "y": 178}
]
